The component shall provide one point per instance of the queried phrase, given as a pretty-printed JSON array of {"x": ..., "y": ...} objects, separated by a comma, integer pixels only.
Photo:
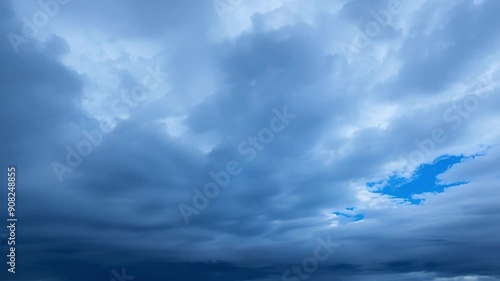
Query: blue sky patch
[{"x": 423, "y": 180}]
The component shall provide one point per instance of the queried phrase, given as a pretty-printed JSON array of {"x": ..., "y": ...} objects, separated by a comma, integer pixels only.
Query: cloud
[{"x": 358, "y": 120}]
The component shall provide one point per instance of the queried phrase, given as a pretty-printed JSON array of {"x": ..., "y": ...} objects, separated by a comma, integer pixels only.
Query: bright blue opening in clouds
[{"x": 423, "y": 180}]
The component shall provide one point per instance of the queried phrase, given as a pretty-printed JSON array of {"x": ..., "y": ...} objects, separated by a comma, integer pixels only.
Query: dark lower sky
[{"x": 240, "y": 140}]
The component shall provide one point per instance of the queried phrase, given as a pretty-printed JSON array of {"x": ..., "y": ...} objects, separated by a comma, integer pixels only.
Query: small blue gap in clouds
[{"x": 350, "y": 217}]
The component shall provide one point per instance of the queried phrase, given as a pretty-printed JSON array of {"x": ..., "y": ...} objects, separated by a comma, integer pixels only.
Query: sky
[{"x": 242, "y": 140}]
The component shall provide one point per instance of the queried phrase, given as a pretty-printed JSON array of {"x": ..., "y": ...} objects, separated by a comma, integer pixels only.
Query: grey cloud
[{"x": 119, "y": 207}]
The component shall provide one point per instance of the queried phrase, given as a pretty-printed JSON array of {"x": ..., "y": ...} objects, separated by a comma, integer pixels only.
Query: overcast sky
[{"x": 253, "y": 140}]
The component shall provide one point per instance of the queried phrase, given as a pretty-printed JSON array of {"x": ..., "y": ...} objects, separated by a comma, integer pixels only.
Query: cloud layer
[{"x": 116, "y": 114}]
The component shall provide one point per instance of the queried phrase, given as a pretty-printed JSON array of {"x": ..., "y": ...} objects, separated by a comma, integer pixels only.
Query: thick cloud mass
[{"x": 307, "y": 119}]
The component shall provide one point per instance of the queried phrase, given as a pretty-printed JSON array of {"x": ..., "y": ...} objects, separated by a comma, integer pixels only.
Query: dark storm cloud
[{"x": 119, "y": 207}]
